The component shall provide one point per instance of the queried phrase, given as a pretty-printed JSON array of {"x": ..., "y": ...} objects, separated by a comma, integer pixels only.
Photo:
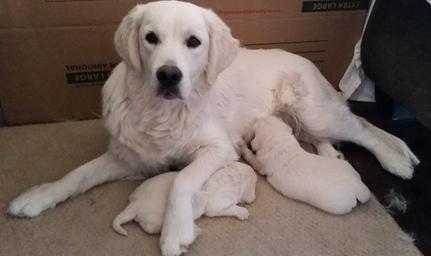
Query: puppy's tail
[{"x": 125, "y": 216}]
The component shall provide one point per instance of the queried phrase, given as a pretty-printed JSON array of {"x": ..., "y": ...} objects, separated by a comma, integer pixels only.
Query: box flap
[{"x": 53, "y": 13}]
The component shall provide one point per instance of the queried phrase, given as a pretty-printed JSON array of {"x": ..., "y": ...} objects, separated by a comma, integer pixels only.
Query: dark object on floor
[
  {"x": 416, "y": 220},
  {"x": 396, "y": 53}
]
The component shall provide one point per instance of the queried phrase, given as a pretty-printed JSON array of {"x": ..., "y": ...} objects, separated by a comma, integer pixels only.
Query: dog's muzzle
[{"x": 169, "y": 78}]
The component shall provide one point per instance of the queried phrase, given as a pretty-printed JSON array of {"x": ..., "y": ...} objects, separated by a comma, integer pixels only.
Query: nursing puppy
[
  {"x": 234, "y": 184},
  {"x": 327, "y": 183},
  {"x": 184, "y": 94}
]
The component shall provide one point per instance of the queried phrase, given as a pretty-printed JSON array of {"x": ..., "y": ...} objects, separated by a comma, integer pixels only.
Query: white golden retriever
[{"x": 185, "y": 93}]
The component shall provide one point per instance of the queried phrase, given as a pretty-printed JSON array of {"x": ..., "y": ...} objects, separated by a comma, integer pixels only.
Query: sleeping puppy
[
  {"x": 226, "y": 188},
  {"x": 330, "y": 184}
]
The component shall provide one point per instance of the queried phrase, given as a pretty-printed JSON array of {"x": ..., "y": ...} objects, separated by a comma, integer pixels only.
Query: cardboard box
[{"x": 56, "y": 54}]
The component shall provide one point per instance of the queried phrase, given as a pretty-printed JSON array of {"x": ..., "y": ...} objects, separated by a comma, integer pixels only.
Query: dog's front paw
[
  {"x": 172, "y": 247},
  {"x": 177, "y": 243},
  {"x": 177, "y": 235},
  {"x": 32, "y": 202}
]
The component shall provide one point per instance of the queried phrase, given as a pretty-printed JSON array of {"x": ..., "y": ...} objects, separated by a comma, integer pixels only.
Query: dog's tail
[{"x": 125, "y": 216}]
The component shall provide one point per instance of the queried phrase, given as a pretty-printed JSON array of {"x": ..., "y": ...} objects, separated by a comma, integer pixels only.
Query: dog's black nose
[{"x": 169, "y": 75}]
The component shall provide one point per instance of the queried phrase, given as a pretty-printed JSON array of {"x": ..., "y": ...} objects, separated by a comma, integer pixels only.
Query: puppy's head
[{"x": 175, "y": 46}]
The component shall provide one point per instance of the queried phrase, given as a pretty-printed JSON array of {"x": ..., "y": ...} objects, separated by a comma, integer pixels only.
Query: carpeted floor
[{"x": 81, "y": 226}]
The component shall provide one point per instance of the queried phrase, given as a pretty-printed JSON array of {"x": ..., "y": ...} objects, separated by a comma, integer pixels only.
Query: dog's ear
[
  {"x": 223, "y": 48},
  {"x": 127, "y": 37}
]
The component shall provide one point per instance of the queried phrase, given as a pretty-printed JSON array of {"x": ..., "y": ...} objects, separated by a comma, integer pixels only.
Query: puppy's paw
[
  {"x": 328, "y": 150},
  {"x": 32, "y": 202},
  {"x": 242, "y": 213},
  {"x": 250, "y": 197},
  {"x": 150, "y": 228},
  {"x": 340, "y": 155}
]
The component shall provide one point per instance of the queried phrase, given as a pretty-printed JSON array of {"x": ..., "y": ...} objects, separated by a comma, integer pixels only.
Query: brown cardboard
[
  {"x": 53, "y": 13},
  {"x": 327, "y": 41},
  {"x": 54, "y": 55},
  {"x": 34, "y": 64},
  {"x": 4, "y": 15}
]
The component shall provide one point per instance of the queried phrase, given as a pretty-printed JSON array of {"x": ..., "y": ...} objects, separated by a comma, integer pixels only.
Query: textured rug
[{"x": 31, "y": 155}]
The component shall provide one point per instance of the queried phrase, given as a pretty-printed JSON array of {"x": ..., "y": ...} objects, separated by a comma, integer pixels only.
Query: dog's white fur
[
  {"x": 234, "y": 184},
  {"x": 224, "y": 89},
  {"x": 330, "y": 184}
]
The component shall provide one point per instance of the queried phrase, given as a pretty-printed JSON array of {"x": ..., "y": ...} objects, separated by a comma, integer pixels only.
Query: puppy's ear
[
  {"x": 248, "y": 135},
  {"x": 127, "y": 37},
  {"x": 223, "y": 48}
]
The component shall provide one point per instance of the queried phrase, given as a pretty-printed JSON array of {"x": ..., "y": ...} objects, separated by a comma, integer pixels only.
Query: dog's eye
[
  {"x": 152, "y": 38},
  {"x": 193, "y": 42}
]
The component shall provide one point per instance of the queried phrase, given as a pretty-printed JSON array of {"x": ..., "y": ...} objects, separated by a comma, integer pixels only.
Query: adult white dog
[{"x": 185, "y": 93}]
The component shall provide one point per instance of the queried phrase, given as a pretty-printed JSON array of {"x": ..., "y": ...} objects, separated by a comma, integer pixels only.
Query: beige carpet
[{"x": 30, "y": 155}]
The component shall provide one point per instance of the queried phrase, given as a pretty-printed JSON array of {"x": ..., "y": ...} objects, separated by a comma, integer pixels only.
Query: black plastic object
[{"x": 396, "y": 53}]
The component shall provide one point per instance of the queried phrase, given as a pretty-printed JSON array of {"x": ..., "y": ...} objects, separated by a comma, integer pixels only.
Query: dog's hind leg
[
  {"x": 39, "y": 198},
  {"x": 324, "y": 114},
  {"x": 392, "y": 153}
]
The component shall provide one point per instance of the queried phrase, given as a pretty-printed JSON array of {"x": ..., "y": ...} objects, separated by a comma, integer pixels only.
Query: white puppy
[
  {"x": 234, "y": 184},
  {"x": 184, "y": 94},
  {"x": 330, "y": 184}
]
